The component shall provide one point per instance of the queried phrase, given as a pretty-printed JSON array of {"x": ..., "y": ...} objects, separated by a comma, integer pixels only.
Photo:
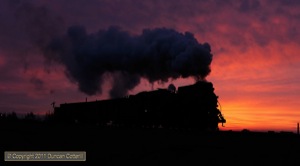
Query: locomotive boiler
[{"x": 188, "y": 107}]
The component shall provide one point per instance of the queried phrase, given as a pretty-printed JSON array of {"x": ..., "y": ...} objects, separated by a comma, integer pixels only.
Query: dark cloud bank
[{"x": 113, "y": 54}]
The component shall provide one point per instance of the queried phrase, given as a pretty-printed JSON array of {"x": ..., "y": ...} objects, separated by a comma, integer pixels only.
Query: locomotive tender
[{"x": 190, "y": 107}]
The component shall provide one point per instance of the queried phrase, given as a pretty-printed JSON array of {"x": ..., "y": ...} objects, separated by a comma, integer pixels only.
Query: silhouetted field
[{"x": 116, "y": 146}]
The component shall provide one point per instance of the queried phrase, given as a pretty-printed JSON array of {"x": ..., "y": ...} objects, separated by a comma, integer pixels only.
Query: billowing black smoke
[{"x": 157, "y": 55}]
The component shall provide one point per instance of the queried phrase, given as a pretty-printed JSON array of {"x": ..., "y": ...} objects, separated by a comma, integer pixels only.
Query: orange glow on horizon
[
  {"x": 256, "y": 117},
  {"x": 258, "y": 89}
]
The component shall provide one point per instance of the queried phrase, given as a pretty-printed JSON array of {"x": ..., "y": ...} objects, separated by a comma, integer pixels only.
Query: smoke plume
[{"x": 156, "y": 54}]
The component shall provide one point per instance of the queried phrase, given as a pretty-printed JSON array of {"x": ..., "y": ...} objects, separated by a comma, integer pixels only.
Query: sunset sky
[{"x": 255, "y": 45}]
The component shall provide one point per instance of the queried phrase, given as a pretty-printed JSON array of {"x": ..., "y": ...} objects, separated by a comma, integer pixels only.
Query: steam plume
[{"x": 157, "y": 55}]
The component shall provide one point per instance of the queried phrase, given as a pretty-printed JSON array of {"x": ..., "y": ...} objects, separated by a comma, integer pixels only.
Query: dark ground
[{"x": 112, "y": 146}]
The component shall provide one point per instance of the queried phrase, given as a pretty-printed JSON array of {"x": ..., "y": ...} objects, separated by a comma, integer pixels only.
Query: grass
[{"x": 116, "y": 146}]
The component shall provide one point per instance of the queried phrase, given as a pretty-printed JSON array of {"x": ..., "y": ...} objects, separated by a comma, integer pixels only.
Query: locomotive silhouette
[{"x": 190, "y": 107}]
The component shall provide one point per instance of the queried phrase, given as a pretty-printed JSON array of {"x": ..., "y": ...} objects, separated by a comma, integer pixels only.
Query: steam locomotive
[{"x": 188, "y": 107}]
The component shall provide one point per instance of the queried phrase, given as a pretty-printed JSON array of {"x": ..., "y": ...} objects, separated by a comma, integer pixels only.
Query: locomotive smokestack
[{"x": 113, "y": 54}]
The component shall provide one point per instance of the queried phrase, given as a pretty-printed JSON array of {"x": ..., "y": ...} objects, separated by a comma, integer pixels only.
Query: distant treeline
[{"x": 30, "y": 116}]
